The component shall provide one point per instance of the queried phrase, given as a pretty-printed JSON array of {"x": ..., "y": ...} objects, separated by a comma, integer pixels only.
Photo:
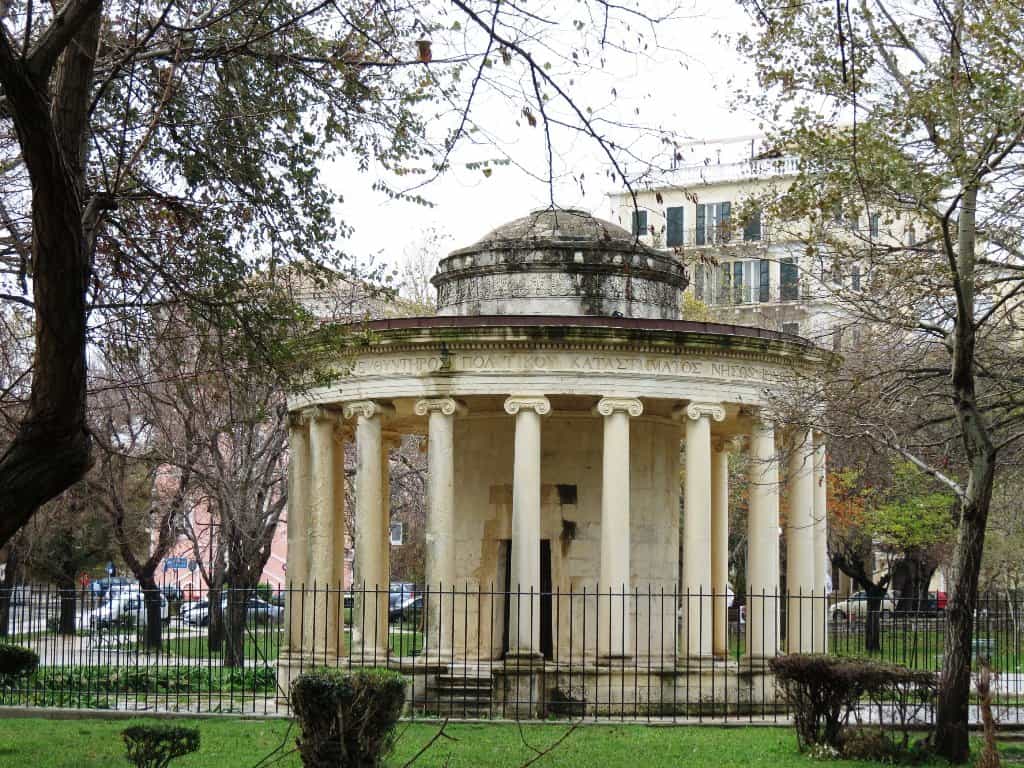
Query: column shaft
[
  {"x": 370, "y": 610},
  {"x": 524, "y": 608},
  {"x": 615, "y": 606},
  {"x": 762, "y": 599},
  {"x": 440, "y": 538},
  {"x": 800, "y": 545},
  {"x": 297, "y": 562},
  {"x": 322, "y": 631},
  {"x": 340, "y": 533},
  {"x": 720, "y": 547},
  {"x": 697, "y": 604},
  {"x": 821, "y": 563}
]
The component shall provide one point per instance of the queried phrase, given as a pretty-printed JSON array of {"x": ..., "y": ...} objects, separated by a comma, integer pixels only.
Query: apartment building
[{"x": 744, "y": 269}]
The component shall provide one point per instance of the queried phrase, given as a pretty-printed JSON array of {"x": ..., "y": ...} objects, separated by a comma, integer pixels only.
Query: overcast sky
[{"x": 682, "y": 84}]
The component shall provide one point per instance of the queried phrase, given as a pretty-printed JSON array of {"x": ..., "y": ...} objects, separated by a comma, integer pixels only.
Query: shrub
[
  {"x": 824, "y": 691},
  {"x": 16, "y": 661},
  {"x": 154, "y": 746},
  {"x": 347, "y": 718}
]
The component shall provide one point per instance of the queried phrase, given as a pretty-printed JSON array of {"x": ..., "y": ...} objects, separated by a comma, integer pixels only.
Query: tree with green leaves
[{"x": 910, "y": 114}]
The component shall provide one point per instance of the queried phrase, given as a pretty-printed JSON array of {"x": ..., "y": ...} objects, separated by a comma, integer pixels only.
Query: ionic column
[
  {"x": 524, "y": 610},
  {"x": 821, "y": 564},
  {"x": 341, "y": 436},
  {"x": 696, "y": 586},
  {"x": 762, "y": 599},
  {"x": 321, "y": 630},
  {"x": 800, "y": 544},
  {"x": 370, "y": 615},
  {"x": 297, "y": 563},
  {"x": 440, "y": 538},
  {"x": 614, "y": 584},
  {"x": 720, "y": 546}
]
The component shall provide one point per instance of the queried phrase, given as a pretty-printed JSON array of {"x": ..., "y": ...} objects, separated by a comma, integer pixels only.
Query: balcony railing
[{"x": 713, "y": 234}]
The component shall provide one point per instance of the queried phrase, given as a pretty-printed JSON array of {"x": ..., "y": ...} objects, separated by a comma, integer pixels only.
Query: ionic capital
[
  {"x": 516, "y": 403},
  {"x": 449, "y": 406},
  {"x": 319, "y": 413},
  {"x": 696, "y": 411},
  {"x": 367, "y": 409},
  {"x": 606, "y": 406}
]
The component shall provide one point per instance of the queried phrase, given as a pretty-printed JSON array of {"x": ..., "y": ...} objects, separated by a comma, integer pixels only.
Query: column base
[
  {"x": 517, "y": 656},
  {"x": 370, "y": 657},
  {"x": 613, "y": 659},
  {"x": 755, "y": 664}
]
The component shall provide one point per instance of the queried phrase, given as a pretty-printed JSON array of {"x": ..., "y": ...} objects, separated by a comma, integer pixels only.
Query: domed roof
[
  {"x": 565, "y": 227},
  {"x": 560, "y": 261}
]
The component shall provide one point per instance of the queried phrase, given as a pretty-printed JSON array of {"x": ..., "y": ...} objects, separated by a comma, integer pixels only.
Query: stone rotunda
[{"x": 559, "y": 392}]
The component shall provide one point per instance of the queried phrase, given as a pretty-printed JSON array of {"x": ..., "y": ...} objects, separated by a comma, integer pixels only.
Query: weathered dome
[{"x": 560, "y": 262}]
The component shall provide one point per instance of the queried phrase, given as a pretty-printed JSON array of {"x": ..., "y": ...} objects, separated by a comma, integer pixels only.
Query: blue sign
[{"x": 176, "y": 564}]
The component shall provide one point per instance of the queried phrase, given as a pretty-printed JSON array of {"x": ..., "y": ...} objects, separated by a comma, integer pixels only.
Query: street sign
[{"x": 176, "y": 564}]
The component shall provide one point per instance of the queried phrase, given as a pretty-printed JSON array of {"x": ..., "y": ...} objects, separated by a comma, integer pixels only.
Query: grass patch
[{"x": 243, "y": 743}]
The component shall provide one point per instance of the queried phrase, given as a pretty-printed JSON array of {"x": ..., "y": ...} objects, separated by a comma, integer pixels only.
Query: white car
[
  {"x": 856, "y": 607},
  {"x": 125, "y": 609}
]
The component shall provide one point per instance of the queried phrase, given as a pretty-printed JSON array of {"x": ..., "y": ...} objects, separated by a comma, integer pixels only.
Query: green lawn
[{"x": 243, "y": 743}]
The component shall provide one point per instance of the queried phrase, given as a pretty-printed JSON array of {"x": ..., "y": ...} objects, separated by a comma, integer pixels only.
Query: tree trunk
[
  {"x": 152, "y": 640},
  {"x": 910, "y": 579},
  {"x": 234, "y": 648},
  {"x": 215, "y": 620},
  {"x": 68, "y": 603},
  {"x": 951, "y": 735},
  {"x": 7, "y": 589},
  {"x": 51, "y": 449},
  {"x": 872, "y": 621}
]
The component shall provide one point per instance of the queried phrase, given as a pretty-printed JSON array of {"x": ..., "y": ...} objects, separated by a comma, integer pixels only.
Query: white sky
[{"x": 683, "y": 85}]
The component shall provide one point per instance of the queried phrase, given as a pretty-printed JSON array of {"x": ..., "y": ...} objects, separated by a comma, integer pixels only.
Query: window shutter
[
  {"x": 737, "y": 282},
  {"x": 639, "y": 222},
  {"x": 698, "y": 282},
  {"x": 724, "y": 225},
  {"x": 874, "y": 224},
  {"x": 674, "y": 227},
  {"x": 752, "y": 227},
  {"x": 723, "y": 284},
  {"x": 788, "y": 280},
  {"x": 855, "y": 277},
  {"x": 764, "y": 286},
  {"x": 701, "y": 221}
]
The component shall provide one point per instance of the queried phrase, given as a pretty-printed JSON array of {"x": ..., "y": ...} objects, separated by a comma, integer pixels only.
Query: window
[
  {"x": 873, "y": 224},
  {"x": 724, "y": 282},
  {"x": 698, "y": 282},
  {"x": 793, "y": 328},
  {"x": 911, "y": 236},
  {"x": 737, "y": 282},
  {"x": 639, "y": 222},
  {"x": 789, "y": 288},
  {"x": 764, "y": 286},
  {"x": 674, "y": 227},
  {"x": 854, "y": 222},
  {"x": 855, "y": 277},
  {"x": 713, "y": 223},
  {"x": 752, "y": 227},
  {"x": 397, "y": 534}
]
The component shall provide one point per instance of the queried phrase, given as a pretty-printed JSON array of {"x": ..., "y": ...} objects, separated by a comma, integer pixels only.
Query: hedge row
[{"x": 170, "y": 680}]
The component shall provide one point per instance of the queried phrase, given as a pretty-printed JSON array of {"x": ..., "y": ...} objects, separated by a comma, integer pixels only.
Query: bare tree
[{"x": 907, "y": 121}]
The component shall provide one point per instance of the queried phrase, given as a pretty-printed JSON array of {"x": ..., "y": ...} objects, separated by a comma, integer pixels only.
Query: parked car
[
  {"x": 197, "y": 612},
  {"x": 172, "y": 592},
  {"x": 404, "y": 603},
  {"x": 856, "y": 607},
  {"x": 101, "y": 588},
  {"x": 124, "y": 609},
  {"x": 19, "y": 595}
]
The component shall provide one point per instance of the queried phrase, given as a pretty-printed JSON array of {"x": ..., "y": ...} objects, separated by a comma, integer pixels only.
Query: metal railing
[{"x": 476, "y": 652}]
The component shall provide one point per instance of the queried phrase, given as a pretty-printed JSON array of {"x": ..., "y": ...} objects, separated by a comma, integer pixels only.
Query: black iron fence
[{"x": 474, "y": 652}]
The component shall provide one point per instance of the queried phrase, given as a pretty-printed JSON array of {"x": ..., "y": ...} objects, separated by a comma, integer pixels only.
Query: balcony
[
  {"x": 719, "y": 173},
  {"x": 713, "y": 235}
]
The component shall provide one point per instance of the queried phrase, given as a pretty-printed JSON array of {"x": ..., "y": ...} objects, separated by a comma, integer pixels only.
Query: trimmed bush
[
  {"x": 154, "y": 746},
  {"x": 16, "y": 661},
  {"x": 347, "y": 718},
  {"x": 824, "y": 692}
]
